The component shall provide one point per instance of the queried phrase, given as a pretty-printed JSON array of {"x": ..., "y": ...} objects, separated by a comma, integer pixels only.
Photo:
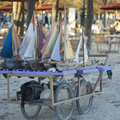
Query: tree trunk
[
  {"x": 18, "y": 11},
  {"x": 31, "y": 8},
  {"x": 105, "y": 18},
  {"x": 41, "y": 13},
  {"x": 54, "y": 10},
  {"x": 89, "y": 21}
]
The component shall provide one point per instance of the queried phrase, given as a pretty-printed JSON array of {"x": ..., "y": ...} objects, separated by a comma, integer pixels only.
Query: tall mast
[
  {"x": 35, "y": 25},
  {"x": 36, "y": 42},
  {"x": 64, "y": 30},
  {"x": 83, "y": 47},
  {"x": 12, "y": 41}
]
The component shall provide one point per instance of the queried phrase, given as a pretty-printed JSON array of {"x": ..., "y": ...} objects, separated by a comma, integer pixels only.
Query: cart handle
[{"x": 99, "y": 55}]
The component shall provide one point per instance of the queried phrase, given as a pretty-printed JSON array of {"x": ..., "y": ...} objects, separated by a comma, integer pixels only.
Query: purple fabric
[
  {"x": 76, "y": 75},
  {"x": 40, "y": 55},
  {"x": 4, "y": 71},
  {"x": 30, "y": 72},
  {"x": 83, "y": 41},
  {"x": 67, "y": 72},
  {"x": 41, "y": 37},
  {"x": 42, "y": 72},
  {"x": 87, "y": 70},
  {"x": 105, "y": 68}
]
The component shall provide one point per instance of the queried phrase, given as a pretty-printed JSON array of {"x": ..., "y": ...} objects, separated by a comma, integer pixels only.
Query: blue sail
[
  {"x": 56, "y": 51},
  {"x": 6, "y": 51}
]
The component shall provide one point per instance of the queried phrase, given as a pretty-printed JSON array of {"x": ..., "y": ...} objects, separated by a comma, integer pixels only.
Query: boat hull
[
  {"x": 37, "y": 65},
  {"x": 66, "y": 66},
  {"x": 14, "y": 64}
]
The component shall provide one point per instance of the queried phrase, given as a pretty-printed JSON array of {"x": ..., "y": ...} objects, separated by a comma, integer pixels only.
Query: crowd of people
[{"x": 3, "y": 18}]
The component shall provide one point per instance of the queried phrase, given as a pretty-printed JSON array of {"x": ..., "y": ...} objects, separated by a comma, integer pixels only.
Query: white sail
[
  {"x": 29, "y": 53},
  {"x": 78, "y": 51},
  {"x": 26, "y": 39},
  {"x": 85, "y": 53},
  {"x": 56, "y": 51},
  {"x": 69, "y": 54}
]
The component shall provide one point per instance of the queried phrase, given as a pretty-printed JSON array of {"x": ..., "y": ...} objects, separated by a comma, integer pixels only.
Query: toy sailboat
[
  {"x": 11, "y": 47},
  {"x": 27, "y": 39},
  {"x": 63, "y": 52},
  {"x": 26, "y": 51},
  {"x": 58, "y": 50},
  {"x": 10, "y": 50},
  {"x": 45, "y": 47},
  {"x": 86, "y": 63},
  {"x": 70, "y": 61}
]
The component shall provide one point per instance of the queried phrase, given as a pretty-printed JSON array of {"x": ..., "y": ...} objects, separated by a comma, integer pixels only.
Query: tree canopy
[
  {"x": 73, "y": 3},
  {"x": 4, "y": 3}
]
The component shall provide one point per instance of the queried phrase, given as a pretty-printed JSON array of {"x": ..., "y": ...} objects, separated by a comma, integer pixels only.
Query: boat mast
[
  {"x": 12, "y": 41},
  {"x": 36, "y": 41},
  {"x": 64, "y": 30},
  {"x": 35, "y": 50},
  {"x": 83, "y": 40}
]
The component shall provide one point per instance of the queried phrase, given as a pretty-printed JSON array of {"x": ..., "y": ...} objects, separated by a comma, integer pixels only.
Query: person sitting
[
  {"x": 74, "y": 25},
  {"x": 115, "y": 23}
]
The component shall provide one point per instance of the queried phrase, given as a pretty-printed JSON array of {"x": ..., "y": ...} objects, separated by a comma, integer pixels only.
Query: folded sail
[
  {"x": 26, "y": 39},
  {"x": 47, "y": 41},
  {"x": 29, "y": 53},
  {"x": 56, "y": 51},
  {"x": 6, "y": 51}
]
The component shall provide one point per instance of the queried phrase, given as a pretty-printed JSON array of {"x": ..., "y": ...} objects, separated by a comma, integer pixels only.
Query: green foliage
[{"x": 4, "y": 3}]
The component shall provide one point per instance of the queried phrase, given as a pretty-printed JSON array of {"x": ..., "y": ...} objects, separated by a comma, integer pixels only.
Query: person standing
[
  {"x": 43, "y": 19},
  {"x": 2, "y": 19},
  {"x": 46, "y": 19}
]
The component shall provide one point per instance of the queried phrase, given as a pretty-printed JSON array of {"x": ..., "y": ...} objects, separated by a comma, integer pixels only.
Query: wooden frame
[{"x": 94, "y": 92}]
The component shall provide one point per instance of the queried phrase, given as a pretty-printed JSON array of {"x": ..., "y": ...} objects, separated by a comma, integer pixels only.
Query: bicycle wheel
[
  {"x": 30, "y": 111},
  {"x": 51, "y": 107},
  {"x": 64, "y": 111},
  {"x": 84, "y": 104}
]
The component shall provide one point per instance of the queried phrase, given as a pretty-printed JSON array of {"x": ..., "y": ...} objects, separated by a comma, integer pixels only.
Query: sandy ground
[{"x": 106, "y": 106}]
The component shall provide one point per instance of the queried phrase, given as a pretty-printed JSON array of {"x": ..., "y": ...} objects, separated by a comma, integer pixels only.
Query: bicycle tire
[
  {"x": 26, "y": 115},
  {"x": 64, "y": 112},
  {"x": 80, "y": 106}
]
